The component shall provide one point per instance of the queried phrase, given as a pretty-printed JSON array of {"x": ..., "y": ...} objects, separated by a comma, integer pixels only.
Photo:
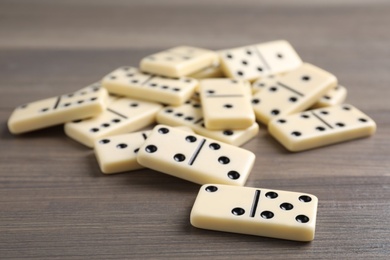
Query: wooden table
[{"x": 56, "y": 204}]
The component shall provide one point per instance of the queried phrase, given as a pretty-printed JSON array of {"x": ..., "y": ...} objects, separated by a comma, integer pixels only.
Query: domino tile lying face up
[
  {"x": 293, "y": 92},
  {"x": 320, "y": 127},
  {"x": 256, "y": 61},
  {"x": 118, "y": 153},
  {"x": 122, "y": 116},
  {"x": 261, "y": 212},
  {"x": 87, "y": 102},
  {"x": 190, "y": 114},
  {"x": 130, "y": 82},
  {"x": 179, "y": 61},
  {"x": 226, "y": 104},
  {"x": 195, "y": 158}
]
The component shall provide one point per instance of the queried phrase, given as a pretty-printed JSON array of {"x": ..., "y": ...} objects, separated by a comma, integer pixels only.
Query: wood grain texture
[{"x": 55, "y": 203}]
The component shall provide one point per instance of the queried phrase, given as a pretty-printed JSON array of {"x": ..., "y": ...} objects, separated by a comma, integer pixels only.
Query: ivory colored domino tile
[
  {"x": 195, "y": 158},
  {"x": 256, "y": 61},
  {"x": 190, "y": 114},
  {"x": 226, "y": 104},
  {"x": 264, "y": 83},
  {"x": 131, "y": 82},
  {"x": 122, "y": 116},
  {"x": 179, "y": 61},
  {"x": 213, "y": 71},
  {"x": 293, "y": 92},
  {"x": 320, "y": 127},
  {"x": 334, "y": 96},
  {"x": 261, "y": 212},
  {"x": 87, "y": 102},
  {"x": 118, "y": 153}
]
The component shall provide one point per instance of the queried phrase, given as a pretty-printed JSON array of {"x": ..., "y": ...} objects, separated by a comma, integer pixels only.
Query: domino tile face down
[
  {"x": 130, "y": 82},
  {"x": 118, "y": 153},
  {"x": 256, "y": 61},
  {"x": 226, "y": 104},
  {"x": 179, "y": 61},
  {"x": 122, "y": 116},
  {"x": 213, "y": 71},
  {"x": 87, "y": 102},
  {"x": 320, "y": 127},
  {"x": 194, "y": 157},
  {"x": 190, "y": 114},
  {"x": 333, "y": 97},
  {"x": 260, "y": 212},
  {"x": 293, "y": 92}
]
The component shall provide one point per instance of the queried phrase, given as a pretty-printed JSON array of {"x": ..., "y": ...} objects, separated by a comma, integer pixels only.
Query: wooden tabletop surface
[{"x": 56, "y": 204}]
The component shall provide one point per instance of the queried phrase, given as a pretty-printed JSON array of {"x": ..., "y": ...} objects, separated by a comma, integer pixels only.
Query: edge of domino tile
[
  {"x": 333, "y": 138},
  {"x": 206, "y": 221},
  {"x": 17, "y": 127}
]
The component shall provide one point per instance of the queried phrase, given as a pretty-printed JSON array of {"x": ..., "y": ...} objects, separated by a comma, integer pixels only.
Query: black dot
[
  {"x": 104, "y": 141},
  {"x": 163, "y": 130},
  {"x": 136, "y": 150},
  {"x": 302, "y": 219},
  {"x": 196, "y": 105},
  {"x": 320, "y": 128},
  {"x": 188, "y": 80},
  {"x": 66, "y": 104},
  {"x": 346, "y": 108},
  {"x": 134, "y": 104},
  {"x": 261, "y": 85},
  {"x": 273, "y": 89},
  {"x": 326, "y": 97},
  {"x": 164, "y": 87},
  {"x": 168, "y": 111},
  {"x": 153, "y": 85},
  {"x": 296, "y": 133},
  {"x": 255, "y": 101},
  {"x": 362, "y": 120},
  {"x": 305, "y": 198},
  {"x": 240, "y": 73},
  {"x": 305, "y": 78},
  {"x": 150, "y": 148},
  {"x": 179, "y": 114},
  {"x": 229, "y": 56},
  {"x": 134, "y": 81},
  {"x": 191, "y": 138},
  {"x": 214, "y": 146},
  {"x": 292, "y": 99},
  {"x": 113, "y": 77},
  {"x": 23, "y": 106},
  {"x": 188, "y": 102},
  {"x": 94, "y": 130},
  {"x": 248, "y": 52},
  {"x": 234, "y": 81},
  {"x": 176, "y": 89},
  {"x": 130, "y": 75},
  {"x": 305, "y": 116},
  {"x": 210, "y": 91},
  {"x": 340, "y": 124},
  {"x": 279, "y": 55},
  {"x": 223, "y": 160},
  {"x": 115, "y": 120},
  {"x": 282, "y": 121},
  {"x": 179, "y": 157},
  {"x": 105, "y": 125},
  {"x": 228, "y": 132},
  {"x": 228, "y": 106},
  {"x": 93, "y": 99},
  {"x": 189, "y": 118},
  {"x": 121, "y": 146},
  {"x": 267, "y": 214},
  {"x": 238, "y": 211},
  {"x": 286, "y": 206},
  {"x": 70, "y": 95},
  {"x": 80, "y": 101},
  {"x": 259, "y": 68},
  {"x": 324, "y": 112},
  {"x": 233, "y": 175},
  {"x": 271, "y": 195},
  {"x": 244, "y": 62},
  {"x": 275, "y": 112},
  {"x": 211, "y": 188}
]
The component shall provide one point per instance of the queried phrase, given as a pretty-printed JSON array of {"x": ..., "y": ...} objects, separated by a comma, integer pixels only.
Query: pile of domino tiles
[{"x": 205, "y": 104}]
